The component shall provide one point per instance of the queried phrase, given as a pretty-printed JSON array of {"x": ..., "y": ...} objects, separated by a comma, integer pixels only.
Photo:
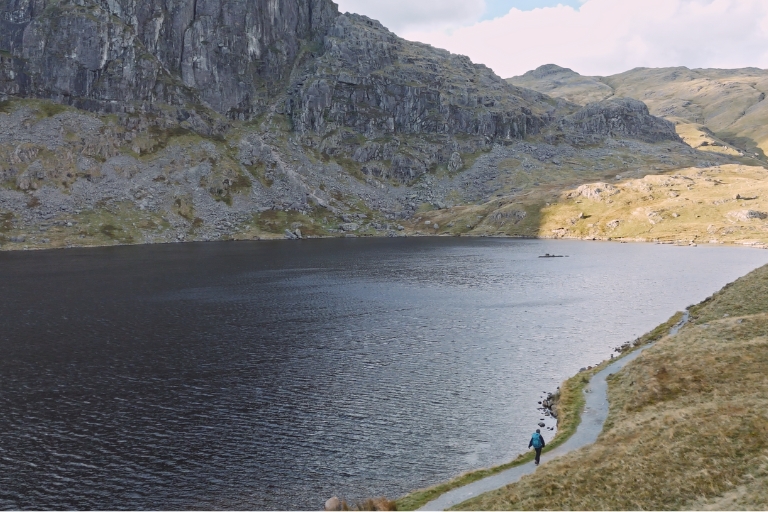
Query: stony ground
[{"x": 70, "y": 178}]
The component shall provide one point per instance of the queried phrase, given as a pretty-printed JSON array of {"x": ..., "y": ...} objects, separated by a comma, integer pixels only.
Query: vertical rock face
[
  {"x": 232, "y": 54},
  {"x": 377, "y": 83}
]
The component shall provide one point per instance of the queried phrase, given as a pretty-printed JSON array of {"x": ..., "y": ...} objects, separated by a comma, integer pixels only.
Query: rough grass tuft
[{"x": 382, "y": 504}]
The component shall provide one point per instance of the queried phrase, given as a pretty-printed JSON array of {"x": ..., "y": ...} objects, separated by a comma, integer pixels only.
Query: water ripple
[{"x": 274, "y": 375}]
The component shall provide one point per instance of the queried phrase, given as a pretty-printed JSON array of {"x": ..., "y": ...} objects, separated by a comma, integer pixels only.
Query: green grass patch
[
  {"x": 277, "y": 221},
  {"x": 116, "y": 233},
  {"x": 350, "y": 166},
  {"x": 183, "y": 206},
  {"x": 6, "y": 222},
  {"x": 6, "y": 107},
  {"x": 259, "y": 171},
  {"x": 160, "y": 137},
  {"x": 50, "y": 109}
]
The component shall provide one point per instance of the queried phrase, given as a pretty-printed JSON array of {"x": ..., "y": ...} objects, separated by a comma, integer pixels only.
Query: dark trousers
[{"x": 538, "y": 454}]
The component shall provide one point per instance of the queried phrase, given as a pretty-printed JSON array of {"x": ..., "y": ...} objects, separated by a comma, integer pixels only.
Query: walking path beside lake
[{"x": 592, "y": 420}]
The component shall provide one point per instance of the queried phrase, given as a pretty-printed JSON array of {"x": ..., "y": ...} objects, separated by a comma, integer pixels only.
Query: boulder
[
  {"x": 747, "y": 215},
  {"x": 595, "y": 191},
  {"x": 333, "y": 503},
  {"x": 455, "y": 163}
]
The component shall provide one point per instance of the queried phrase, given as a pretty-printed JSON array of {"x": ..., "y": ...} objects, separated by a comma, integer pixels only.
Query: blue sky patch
[{"x": 498, "y": 8}]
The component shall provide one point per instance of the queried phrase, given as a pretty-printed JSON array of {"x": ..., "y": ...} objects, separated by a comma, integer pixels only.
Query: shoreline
[
  {"x": 572, "y": 415},
  {"x": 686, "y": 425},
  {"x": 278, "y": 238}
]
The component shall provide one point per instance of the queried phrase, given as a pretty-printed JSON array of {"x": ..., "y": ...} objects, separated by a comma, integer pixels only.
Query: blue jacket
[{"x": 530, "y": 443}]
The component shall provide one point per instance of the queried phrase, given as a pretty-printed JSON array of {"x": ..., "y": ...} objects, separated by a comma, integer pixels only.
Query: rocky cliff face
[
  {"x": 102, "y": 54},
  {"x": 373, "y": 96},
  {"x": 377, "y": 83}
]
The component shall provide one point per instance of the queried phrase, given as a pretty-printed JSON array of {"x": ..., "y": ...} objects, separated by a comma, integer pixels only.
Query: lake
[{"x": 274, "y": 375}]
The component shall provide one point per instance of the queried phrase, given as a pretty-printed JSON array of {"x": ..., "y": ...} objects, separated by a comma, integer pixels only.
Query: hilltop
[{"x": 718, "y": 110}]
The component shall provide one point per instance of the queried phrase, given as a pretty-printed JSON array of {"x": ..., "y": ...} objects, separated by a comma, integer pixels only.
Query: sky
[{"x": 592, "y": 37}]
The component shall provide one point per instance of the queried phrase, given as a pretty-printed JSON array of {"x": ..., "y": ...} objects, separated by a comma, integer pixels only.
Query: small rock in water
[
  {"x": 333, "y": 504},
  {"x": 542, "y": 424}
]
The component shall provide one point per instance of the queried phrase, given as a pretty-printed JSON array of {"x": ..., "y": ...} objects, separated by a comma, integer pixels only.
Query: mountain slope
[
  {"x": 714, "y": 109},
  {"x": 127, "y": 122}
]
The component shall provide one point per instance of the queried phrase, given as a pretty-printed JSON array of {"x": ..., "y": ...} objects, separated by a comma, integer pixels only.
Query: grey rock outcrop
[
  {"x": 617, "y": 117},
  {"x": 747, "y": 215},
  {"x": 100, "y": 54},
  {"x": 595, "y": 191},
  {"x": 376, "y": 83}
]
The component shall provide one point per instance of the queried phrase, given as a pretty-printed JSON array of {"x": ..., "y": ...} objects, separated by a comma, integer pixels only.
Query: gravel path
[{"x": 592, "y": 420}]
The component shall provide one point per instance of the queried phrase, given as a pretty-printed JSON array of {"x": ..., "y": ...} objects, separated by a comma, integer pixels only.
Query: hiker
[{"x": 537, "y": 442}]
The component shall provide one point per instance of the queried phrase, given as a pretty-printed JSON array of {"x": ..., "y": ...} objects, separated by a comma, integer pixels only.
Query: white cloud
[
  {"x": 610, "y": 36},
  {"x": 423, "y": 15}
]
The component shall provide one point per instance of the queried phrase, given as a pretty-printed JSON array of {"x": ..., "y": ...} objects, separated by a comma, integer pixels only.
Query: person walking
[{"x": 537, "y": 442}]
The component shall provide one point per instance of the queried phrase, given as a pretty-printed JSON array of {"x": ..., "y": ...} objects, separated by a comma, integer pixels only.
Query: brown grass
[
  {"x": 382, "y": 504},
  {"x": 687, "y": 428},
  {"x": 684, "y": 206}
]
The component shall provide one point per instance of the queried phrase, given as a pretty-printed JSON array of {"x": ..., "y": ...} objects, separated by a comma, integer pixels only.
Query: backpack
[{"x": 537, "y": 440}]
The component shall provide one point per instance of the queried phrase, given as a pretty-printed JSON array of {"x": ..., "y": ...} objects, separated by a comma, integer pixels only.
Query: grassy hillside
[
  {"x": 721, "y": 204},
  {"x": 715, "y": 109},
  {"x": 687, "y": 427},
  {"x": 726, "y": 204}
]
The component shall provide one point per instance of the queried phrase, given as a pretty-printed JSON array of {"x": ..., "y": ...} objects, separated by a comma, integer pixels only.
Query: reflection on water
[{"x": 275, "y": 375}]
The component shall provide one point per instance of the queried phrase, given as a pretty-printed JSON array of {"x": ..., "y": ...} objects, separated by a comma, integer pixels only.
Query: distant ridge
[{"x": 718, "y": 110}]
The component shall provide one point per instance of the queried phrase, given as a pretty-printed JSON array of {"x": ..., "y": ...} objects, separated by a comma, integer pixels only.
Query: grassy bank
[
  {"x": 687, "y": 427},
  {"x": 570, "y": 404}
]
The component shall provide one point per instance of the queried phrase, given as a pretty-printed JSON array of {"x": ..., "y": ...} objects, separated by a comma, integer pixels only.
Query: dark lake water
[{"x": 273, "y": 375}]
